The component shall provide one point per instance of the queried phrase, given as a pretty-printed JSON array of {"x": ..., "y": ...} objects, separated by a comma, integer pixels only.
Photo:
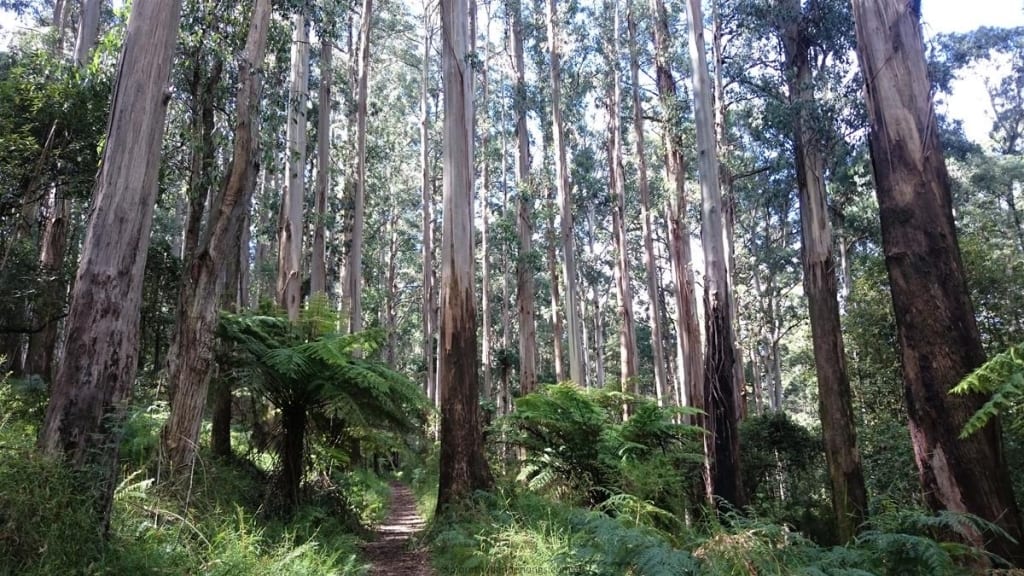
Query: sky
[{"x": 969, "y": 101}]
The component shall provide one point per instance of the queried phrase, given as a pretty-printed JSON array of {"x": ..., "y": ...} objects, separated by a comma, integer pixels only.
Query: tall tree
[
  {"x": 355, "y": 257},
  {"x": 88, "y": 30},
  {"x": 463, "y": 467},
  {"x": 289, "y": 261},
  {"x": 94, "y": 382},
  {"x": 690, "y": 374},
  {"x": 617, "y": 172},
  {"x": 723, "y": 444},
  {"x": 318, "y": 259},
  {"x": 849, "y": 496},
  {"x": 189, "y": 375},
  {"x": 524, "y": 222},
  {"x": 430, "y": 384},
  {"x": 937, "y": 331},
  {"x": 665, "y": 397},
  {"x": 572, "y": 314}
]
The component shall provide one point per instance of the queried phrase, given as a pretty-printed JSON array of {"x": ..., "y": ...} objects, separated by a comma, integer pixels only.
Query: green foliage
[
  {"x": 1001, "y": 378},
  {"x": 576, "y": 446}
]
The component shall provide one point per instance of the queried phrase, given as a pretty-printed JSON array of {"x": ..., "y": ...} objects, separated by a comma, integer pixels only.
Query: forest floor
[{"x": 392, "y": 553}]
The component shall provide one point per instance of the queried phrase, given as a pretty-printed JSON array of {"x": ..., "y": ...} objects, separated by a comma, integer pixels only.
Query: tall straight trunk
[
  {"x": 427, "y": 310},
  {"x": 391, "y": 289},
  {"x": 289, "y": 261},
  {"x": 557, "y": 328},
  {"x": 598, "y": 311},
  {"x": 617, "y": 172},
  {"x": 661, "y": 385},
  {"x": 849, "y": 496},
  {"x": 688, "y": 342},
  {"x": 94, "y": 382},
  {"x": 728, "y": 199},
  {"x": 189, "y": 376},
  {"x": 318, "y": 263},
  {"x": 221, "y": 398},
  {"x": 504, "y": 394},
  {"x": 463, "y": 467},
  {"x": 88, "y": 30},
  {"x": 524, "y": 226},
  {"x": 572, "y": 315},
  {"x": 485, "y": 215},
  {"x": 355, "y": 261},
  {"x": 723, "y": 441},
  {"x": 937, "y": 331}
]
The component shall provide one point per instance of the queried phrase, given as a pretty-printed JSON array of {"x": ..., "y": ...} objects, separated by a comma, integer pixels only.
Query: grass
[{"x": 47, "y": 528}]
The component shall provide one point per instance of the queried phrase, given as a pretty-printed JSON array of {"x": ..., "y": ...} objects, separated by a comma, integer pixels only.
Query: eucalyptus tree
[
  {"x": 720, "y": 393},
  {"x": 218, "y": 251},
  {"x": 661, "y": 385},
  {"x": 938, "y": 335},
  {"x": 463, "y": 467},
  {"x": 354, "y": 291},
  {"x": 574, "y": 328},
  {"x": 94, "y": 382},
  {"x": 525, "y": 284},
  {"x": 690, "y": 374},
  {"x": 289, "y": 262}
]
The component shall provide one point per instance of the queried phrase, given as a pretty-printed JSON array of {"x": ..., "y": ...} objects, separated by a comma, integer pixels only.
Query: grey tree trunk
[
  {"x": 88, "y": 30},
  {"x": 463, "y": 467},
  {"x": 289, "y": 261},
  {"x": 524, "y": 228},
  {"x": 723, "y": 441},
  {"x": 355, "y": 261},
  {"x": 93, "y": 385},
  {"x": 572, "y": 315},
  {"x": 219, "y": 250},
  {"x": 661, "y": 386},
  {"x": 849, "y": 495},
  {"x": 318, "y": 260}
]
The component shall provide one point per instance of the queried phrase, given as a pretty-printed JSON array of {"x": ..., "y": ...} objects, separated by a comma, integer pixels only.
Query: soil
[{"x": 393, "y": 552}]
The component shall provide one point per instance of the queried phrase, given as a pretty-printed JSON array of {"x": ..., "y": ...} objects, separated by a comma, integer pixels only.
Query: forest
[{"x": 503, "y": 287}]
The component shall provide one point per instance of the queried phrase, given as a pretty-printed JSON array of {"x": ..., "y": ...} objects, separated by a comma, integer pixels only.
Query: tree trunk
[
  {"x": 617, "y": 186},
  {"x": 94, "y": 382},
  {"x": 723, "y": 442},
  {"x": 598, "y": 311},
  {"x": 572, "y": 317},
  {"x": 289, "y": 260},
  {"x": 463, "y": 467},
  {"x": 88, "y": 30},
  {"x": 688, "y": 349},
  {"x": 42, "y": 344},
  {"x": 556, "y": 299},
  {"x": 657, "y": 342},
  {"x": 293, "y": 454},
  {"x": 525, "y": 269},
  {"x": 485, "y": 216},
  {"x": 189, "y": 376},
  {"x": 430, "y": 384},
  {"x": 318, "y": 264},
  {"x": 355, "y": 260},
  {"x": 849, "y": 496},
  {"x": 937, "y": 331}
]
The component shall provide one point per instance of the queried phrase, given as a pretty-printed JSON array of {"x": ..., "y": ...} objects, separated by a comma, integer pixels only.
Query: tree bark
[
  {"x": 936, "y": 328},
  {"x": 88, "y": 30},
  {"x": 665, "y": 397},
  {"x": 289, "y": 260},
  {"x": 572, "y": 315},
  {"x": 849, "y": 496},
  {"x": 688, "y": 349},
  {"x": 189, "y": 376},
  {"x": 525, "y": 268},
  {"x": 723, "y": 443},
  {"x": 94, "y": 382},
  {"x": 355, "y": 261},
  {"x": 430, "y": 383},
  {"x": 318, "y": 263},
  {"x": 463, "y": 467}
]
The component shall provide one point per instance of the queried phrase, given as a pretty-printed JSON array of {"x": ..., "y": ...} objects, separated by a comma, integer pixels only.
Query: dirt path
[{"x": 390, "y": 554}]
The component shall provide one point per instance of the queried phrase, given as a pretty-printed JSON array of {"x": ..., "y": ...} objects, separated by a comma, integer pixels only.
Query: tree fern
[{"x": 1002, "y": 379}]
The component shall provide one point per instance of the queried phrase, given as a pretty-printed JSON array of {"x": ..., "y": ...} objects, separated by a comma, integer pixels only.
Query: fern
[{"x": 1002, "y": 379}]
